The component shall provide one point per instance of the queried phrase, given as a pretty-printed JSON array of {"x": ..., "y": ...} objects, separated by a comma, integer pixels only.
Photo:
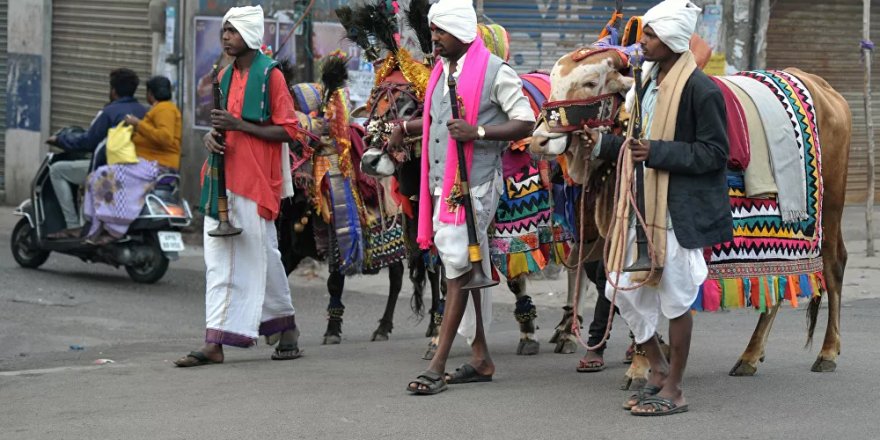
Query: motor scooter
[{"x": 152, "y": 240}]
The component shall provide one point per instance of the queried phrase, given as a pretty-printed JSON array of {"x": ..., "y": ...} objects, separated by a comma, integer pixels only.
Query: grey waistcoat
[{"x": 487, "y": 154}]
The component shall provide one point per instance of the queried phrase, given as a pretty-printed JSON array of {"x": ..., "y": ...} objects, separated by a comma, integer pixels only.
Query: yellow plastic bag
[{"x": 120, "y": 148}]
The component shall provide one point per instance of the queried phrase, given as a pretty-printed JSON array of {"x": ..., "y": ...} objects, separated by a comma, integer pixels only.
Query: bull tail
[
  {"x": 812, "y": 318},
  {"x": 417, "y": 275}
]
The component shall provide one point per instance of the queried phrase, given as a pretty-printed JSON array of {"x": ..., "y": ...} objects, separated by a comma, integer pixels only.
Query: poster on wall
[
  {"x": 208, "y": 51},
  {"x": 710, "y": 30},
  {"x": 330, "y": 36}
]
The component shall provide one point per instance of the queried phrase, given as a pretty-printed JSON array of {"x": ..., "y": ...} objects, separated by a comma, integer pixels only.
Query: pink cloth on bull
[
  {"x": 737, "y": 129},
  {"x": 470, "y": 90}
]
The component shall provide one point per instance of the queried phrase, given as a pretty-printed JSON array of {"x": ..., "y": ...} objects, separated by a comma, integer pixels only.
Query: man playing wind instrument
[
  {"x": 493, "y": 112},
  {"x": 684, "y": 150},
  {"x": 247, "y": 292}
]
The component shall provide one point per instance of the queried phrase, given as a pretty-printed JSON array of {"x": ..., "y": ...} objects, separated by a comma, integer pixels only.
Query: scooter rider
[{"x": 123, "y": 84}]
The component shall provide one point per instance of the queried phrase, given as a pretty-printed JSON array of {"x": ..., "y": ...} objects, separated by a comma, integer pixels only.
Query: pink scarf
[{"x": 470, "y": 90}]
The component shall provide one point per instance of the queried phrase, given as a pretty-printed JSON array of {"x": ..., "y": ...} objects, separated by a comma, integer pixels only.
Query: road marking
[{"x": 41, "y": 371}]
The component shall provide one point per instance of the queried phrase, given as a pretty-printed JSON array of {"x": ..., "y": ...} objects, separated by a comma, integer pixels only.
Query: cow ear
[{"x": 618, "y": 83}]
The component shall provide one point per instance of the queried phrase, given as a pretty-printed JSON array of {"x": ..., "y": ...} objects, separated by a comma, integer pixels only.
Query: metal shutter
[
  {"x": 541, "y": 32},
  {"x": 4, "y": 8},
  {"x": 89, "y": 39},
  {"x": 823, "y": 39}
]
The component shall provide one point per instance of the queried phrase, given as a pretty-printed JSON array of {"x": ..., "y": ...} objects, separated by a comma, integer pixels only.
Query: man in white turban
[
  {"x": 248, "y": 21},
  {"x": 494, "y": 112},
  {"x": 456, "y": 17},
  {"x": 674, "y": 22},
  {"x": 683, "y": 148},
  {"x": 247, "y": 293}
]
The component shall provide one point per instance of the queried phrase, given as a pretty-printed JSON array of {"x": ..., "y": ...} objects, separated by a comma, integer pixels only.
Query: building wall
[{"x": 27, "y": 114}]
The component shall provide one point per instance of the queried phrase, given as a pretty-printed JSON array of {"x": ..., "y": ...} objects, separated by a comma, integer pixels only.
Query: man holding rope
[{"x": 684, "y": 152}]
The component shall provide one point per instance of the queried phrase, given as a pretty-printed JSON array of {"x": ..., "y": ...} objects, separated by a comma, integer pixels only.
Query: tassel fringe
[{"x": 761, "y": 293}]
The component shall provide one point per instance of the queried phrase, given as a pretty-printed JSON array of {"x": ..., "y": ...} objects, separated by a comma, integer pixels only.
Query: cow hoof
[
  {"x": 629, "y": 383},
  {"x": 383, "y": 331},
  {"x": 332, "y": 340},
  {"x": 743, "y": 369},
  {"x": 555, "y": 338},
  {"x": 527, "y": 347},
  {"x": 432, "y": 350},
  {"x": 565, "y": 346},
  {"x": 824, "y": 366}
]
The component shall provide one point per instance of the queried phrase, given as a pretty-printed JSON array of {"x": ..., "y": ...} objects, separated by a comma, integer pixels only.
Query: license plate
[{"x": 170, "y": 241}]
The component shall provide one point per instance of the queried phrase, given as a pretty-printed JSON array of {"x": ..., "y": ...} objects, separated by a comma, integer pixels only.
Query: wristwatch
[{"x": 481, "y": 132}]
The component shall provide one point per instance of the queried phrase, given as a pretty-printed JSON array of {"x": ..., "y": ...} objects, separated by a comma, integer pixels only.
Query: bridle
[
  {"x": 572, "y": 115},
  {"x": 569, "y": 117}
]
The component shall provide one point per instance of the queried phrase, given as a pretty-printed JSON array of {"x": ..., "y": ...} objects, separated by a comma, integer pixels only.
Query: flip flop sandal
[
  {"x": 195, "y": 359},
  {"x": 645, "y": 392},
  {"x": 593, "y": 366},
  {"x": 433, "y": 383},
  {"x": 660, "y": 406},
  {"x": 467, "y": 374},
  {"x": 287, "y": 353}
]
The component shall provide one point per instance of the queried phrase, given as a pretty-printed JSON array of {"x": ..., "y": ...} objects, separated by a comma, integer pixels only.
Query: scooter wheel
[
  {"x": 151, "y": 270},
  {"x": 24, "y": 246}
]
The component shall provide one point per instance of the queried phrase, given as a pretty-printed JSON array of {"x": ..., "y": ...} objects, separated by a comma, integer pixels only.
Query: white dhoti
[
  {"x": 683, "y": 272},
  {"x": 247, "y": 292},
  {"x": 452, "y": 245}
]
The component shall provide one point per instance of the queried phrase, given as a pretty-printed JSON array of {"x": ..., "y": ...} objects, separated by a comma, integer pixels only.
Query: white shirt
[{"x": 507, "y": 91}]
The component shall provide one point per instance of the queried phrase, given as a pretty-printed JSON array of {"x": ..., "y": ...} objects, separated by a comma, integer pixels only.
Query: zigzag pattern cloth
[
  {"x": 770, "y": 260},
  {"x": 525, "y": 237}
]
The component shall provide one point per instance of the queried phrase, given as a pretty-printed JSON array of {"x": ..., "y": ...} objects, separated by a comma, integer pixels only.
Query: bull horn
[{"x": 360, "y": 112}]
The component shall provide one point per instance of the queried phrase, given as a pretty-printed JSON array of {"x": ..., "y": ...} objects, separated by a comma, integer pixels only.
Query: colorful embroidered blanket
[
  {"x": 768, "y": 260},
  {"x": 527, "y": 235}
]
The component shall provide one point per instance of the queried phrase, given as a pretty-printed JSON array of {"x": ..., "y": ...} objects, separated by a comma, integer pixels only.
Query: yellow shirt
[{"x": 157, "y": 136}]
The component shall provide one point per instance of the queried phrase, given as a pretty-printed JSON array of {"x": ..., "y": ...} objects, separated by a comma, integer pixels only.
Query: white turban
[
  {"x": 457, "y": 17},
  {"x": 248, "y": 21},
  {"x": 674, "y": 21}
]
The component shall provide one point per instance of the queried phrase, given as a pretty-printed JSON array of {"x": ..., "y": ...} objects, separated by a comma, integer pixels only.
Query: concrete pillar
[
  {"x": 28, "y": 94},
  {"x": 193, "y": 153},
  {"x": 746, "y": 26}
]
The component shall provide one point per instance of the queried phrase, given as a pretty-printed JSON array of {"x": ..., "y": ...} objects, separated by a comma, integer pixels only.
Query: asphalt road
[{"x": 356, "y": 390}]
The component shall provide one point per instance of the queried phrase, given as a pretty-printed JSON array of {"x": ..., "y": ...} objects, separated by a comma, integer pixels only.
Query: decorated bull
[
  {"x": 338, "y": 214},
  {"x": 789, "y": 134}
]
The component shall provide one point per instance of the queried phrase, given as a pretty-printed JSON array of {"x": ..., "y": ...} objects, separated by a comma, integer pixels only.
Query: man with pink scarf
[{"x": 494, "y": 112}]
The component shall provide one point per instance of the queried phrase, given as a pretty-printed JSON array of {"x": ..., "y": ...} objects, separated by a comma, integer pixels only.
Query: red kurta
[{"x": 253, "y": 165}]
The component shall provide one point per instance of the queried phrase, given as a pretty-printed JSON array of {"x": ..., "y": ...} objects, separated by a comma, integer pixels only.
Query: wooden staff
[
  {"x": 643, "y": 260},
  {"x": 478, "y": 280},
  {"x": 225, "y": 228}
]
